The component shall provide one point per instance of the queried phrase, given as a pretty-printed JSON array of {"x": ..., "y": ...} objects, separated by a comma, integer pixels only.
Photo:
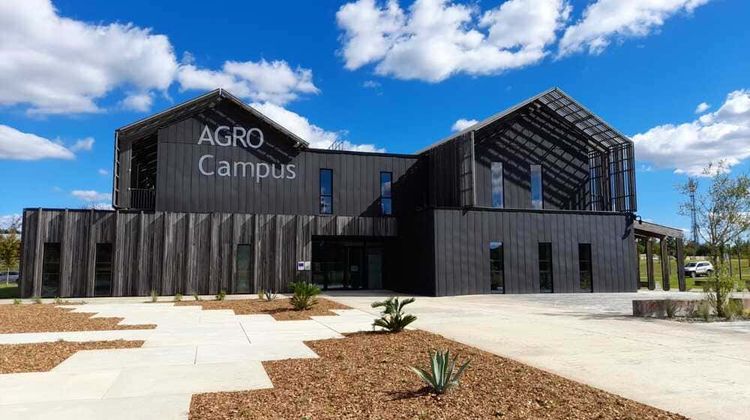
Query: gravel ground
[
  {"x": 49, "y": 318},
  {"x": 41, "y": 357},
  {"x": 366, "y": 375},
  {"x": 279, "y": 308}
]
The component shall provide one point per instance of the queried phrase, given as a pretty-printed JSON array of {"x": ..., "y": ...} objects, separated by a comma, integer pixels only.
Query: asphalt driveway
[{"x": 699, "y": 370}]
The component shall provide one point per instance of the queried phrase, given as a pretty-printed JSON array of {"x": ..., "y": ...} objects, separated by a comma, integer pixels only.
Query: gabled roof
[
  {"x": 564, "y": 107},
  {"x": 206, "y": 100}
]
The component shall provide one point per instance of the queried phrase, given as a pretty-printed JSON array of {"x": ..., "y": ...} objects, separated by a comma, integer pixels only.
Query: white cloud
[
  {"x": 702, "y": 107},
  {"x": 83, "y": 144},
  {"x": 91, "y": 195},
  {"x": 56, "y": 64},
  {"x": 689, "y": 147},
  {"x": 8, "y": 220},
  {"x": 606, "y": 20},
  {"x": 139, "y": 102},
  {"x": 301, "y": 126},
  {"x": 435, "y": 39},
  {"x": 462, "y": 124},
  {"x": 371, "y": 84},
  {"x": 261, "y": 81},
  {"x": 100, "y": 206},
  {"x": 18, "y": 145},
  {"x": 103, "y": 172}
]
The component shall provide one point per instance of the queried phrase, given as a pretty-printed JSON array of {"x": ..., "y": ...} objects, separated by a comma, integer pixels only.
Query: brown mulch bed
[
  {"x": 366, "y": 376},
  {"x": 279, "y": 308},
  {"x": 41, "y": 357},
  {"x": 50, "y": 318}
]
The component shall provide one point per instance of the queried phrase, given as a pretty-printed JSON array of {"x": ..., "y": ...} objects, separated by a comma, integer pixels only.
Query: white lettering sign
[{"x": 237, "y": 136}]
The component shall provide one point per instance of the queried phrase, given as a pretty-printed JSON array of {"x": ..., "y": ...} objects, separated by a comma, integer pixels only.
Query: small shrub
[
  {"x": 16, "y": 301},
  {"x": 392, "y": 317},
  {"x": 196, "y": 297},
  {"x": 303, "y": 297},
  {"x": 36, "y": 299},
  {"x": 703, "y": 310},
  {"x": 733, "y": 309},
  {"x": 154, "y": 295},
  {"x": 58, "y": 301},
  {"x": 442, "y": 374},
  {"x": 261, "y": 294},
  {"x": 671, "y": 306},
  {"x": 222, "y": 294},
  {"x": 269, "y": 295},
  {"x": 177, "y": 297}
]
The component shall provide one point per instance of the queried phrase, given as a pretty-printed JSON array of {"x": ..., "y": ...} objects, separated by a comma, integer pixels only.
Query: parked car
[
  {"x": 12, "y": 276},
  {"x": 699, "y": 268}
]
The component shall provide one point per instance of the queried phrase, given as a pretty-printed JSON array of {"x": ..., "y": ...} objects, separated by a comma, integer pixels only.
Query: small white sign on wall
[{"x": 303, "y": 265}]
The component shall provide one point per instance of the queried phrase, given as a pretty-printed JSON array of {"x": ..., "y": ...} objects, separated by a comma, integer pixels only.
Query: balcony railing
[{"x": 142, "y": 199}]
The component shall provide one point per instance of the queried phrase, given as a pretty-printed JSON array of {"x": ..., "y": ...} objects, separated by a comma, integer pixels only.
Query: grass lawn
[
  {"x": 689, "y": 281},
  {"x": 8, "y": 291},
  {"x": 367, "y": 376}
]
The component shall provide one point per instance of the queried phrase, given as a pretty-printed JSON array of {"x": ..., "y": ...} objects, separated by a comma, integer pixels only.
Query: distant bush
[
  {"x": 671, "y": 306},
  {"x": 703, "y": 310},
  {"x": 392, "y": 317},
  {"x": 304, "y": 295},
  {"x": 442, "y": 374},
  {"x": 222, "y": 294},
  {"x": 154, "y": 295},
  {"x": 16, "y": 301},
  {"x": 36, "y": 299},
  {"x": 196, "y": 297},
  {"x": 177, "y": 297},
  {"x": 261, "y": 294}
]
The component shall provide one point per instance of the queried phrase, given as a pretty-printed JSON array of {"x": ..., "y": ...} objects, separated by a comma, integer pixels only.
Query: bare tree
[
  {"x": 10, "y": 247},
  {"x": 722, "y": 211}
]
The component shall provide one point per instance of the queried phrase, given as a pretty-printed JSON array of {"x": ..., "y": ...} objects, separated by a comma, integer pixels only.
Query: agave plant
[
  {"x": 392, "y": 317},
  {"x": 442, "y": 374},
  {"x": 304, "y": 295},
  {"x": 269, "y": 295}
]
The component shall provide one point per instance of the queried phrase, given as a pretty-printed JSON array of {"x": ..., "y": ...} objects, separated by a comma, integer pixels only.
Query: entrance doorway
[{"x": 347, "y": 263}]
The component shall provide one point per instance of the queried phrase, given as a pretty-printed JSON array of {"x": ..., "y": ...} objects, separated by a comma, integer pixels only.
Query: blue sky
[{"x": 393, "y": 76}]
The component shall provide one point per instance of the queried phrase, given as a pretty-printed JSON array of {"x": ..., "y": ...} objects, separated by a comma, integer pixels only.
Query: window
[
  {"x": 244, "y": 260},
  {"x": 497, "y": 268},
  {"x": 545, "y": 267},
  {"x": 51, "y": 270},
  {"x": 386, "y": 200},
  {"x": 497, "y": 185},
  {"x": 103, "y": 270},
  {"x": 326, "y": 191},
  {"x": 584, "y": 267},
  {"x": 537, "y": 200}
]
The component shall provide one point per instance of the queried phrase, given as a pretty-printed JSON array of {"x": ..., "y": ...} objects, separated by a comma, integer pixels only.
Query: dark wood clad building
[{"x": 212, "y": 195}]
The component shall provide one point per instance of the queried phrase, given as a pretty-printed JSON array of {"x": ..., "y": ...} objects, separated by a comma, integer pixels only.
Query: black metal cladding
[{"x": 182, "y": 213}]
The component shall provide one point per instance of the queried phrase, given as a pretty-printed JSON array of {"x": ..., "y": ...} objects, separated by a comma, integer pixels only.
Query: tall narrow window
[
  {"x": 244, "y": 269},
  {"x": 103, "y": 270},
  {"x": 326, "y": 191},
  {"x": 51, "y": 270},
  {"x": 537, "y": 200},
  {"x": 386, "y": 200},
  {"x": 545, "y": 267},
  {"x": 584, "y": 267},
  {"x": 497, "y": 268},
  {"x": 497, "y": 185}
]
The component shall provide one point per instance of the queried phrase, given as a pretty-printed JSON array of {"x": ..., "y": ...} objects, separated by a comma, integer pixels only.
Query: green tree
[
  {"x": 722, "y": 211},
  {"x": 10, "y": 248}
]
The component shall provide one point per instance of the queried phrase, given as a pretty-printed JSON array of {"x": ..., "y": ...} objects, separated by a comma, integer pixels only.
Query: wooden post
[
  {"x": 664, "y": 255},
  {"x": 739, "y": 262},
  {"x": 650, "y": 264},
  {"x": 680, "y": 253},
  {"x": 637, "y": 264}
]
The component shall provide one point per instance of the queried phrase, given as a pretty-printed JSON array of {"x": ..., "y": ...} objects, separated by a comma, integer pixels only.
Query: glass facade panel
[
  {"x": 103, "y": 270},
  {"x": 386, "y": 200},
  {"x": 51, "y": 270},
  {"x": 497, "y": 267},
  {"x": 326, "y": 191},
  {"x": 497, "y": 185},
  {"x": 545, "y": 267},
  {"x": 584, "y": 267},
  {"x": 244, "y": 269},
  {"x": 537, "y": 197}
]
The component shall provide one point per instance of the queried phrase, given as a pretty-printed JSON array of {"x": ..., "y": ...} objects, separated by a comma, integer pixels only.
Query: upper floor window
[
  {"x": 326, "y": 191},
  {"x": 497, "y": 185},
  {"x": 537, "y": 200},
  {"x": 386, "y": 200}
]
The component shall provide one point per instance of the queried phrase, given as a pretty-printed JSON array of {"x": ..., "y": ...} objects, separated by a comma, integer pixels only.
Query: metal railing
[{"x": 142, "y": 199}]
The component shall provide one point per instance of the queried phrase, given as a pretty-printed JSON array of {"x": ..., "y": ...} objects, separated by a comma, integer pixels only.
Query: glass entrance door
[
  {"x": 375, "y": 268},
  {"x": 347, "y": 263}
]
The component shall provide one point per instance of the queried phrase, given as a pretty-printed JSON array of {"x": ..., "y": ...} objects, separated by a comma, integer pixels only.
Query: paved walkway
[
  {"x": 699, "y": 370},
  {"x": 190, "y": 351}
]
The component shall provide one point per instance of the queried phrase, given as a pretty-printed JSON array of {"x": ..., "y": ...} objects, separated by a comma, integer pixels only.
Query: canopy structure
[{"x": 647, "y": 233}]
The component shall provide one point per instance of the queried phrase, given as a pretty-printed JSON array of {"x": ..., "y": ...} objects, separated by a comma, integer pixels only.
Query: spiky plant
[
  {"x": 303, "y": 297},
  {"x": 443, "y": 374},
  {"x": 221, "y": 295},
  {"x": 154, "y": 295},
  {"x": 392, "y": 317},
  {"x": 178, "y": 297},
  {"x": 261, "y": 294},
  {"x": 269, "y": 295}
]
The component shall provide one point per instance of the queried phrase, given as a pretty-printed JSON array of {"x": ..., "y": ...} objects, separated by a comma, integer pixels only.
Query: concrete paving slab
[
  {"x": 167, "y": 380},
  {"x": 222, "y": 353},
  {"x": 92, "y": 360},
  {"x": 54, "y": 386},
  {"x": 162, "y": 407}
]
